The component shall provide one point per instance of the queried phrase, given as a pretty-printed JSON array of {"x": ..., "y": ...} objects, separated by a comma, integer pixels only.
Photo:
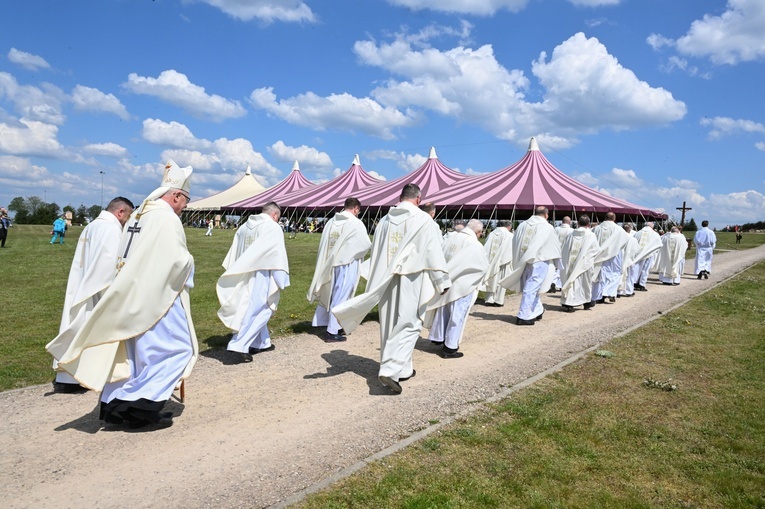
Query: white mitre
[{"x": 174, "y": 177}]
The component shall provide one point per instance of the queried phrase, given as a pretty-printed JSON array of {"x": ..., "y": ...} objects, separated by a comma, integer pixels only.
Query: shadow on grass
[{"x": 340, "y": 361}]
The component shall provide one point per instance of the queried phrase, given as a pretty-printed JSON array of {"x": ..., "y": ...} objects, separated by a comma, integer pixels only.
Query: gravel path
[{"x": 253, "y": 434}]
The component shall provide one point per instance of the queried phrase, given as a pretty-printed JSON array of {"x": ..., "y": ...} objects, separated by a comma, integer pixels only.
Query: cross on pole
[{"x": 682, "y": 217}]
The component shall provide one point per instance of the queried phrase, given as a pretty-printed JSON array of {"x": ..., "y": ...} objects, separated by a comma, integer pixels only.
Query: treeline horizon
[{"x": 35, "y": 210}]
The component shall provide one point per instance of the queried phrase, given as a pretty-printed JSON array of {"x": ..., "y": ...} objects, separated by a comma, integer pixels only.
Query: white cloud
[
  {"x": 760, "y": 145},
  {"x": 108, "y": 149},
  {"x": 376, "y": 175},
  {"x": 737, "y": 35},
  {"x": 738, "y": 207},
  {"x": 92, "y": 99},
  {"x": 594, "y": 3},
  {"x": 35, "y": 103},
  {"x": 264, "y": 10},
  {"x": 587, "y": 179},
  {"x": 407, "y": 162},
  {"x": 475, "y": 7},
  {"x": 307, "y": 156},
  {"x": 172, "y": 134},
  {"x": 31, "y": 138},
  {"x": 337, "y": 111},
  {"x": 27, "y": 60},
  {"x": 684, "y": 183},
  {"x": 20, "y": 168},
  {"x": 175, "y": 88},
  {"x": 726, "y": 126},
  {"x": 624, "y": 178}
]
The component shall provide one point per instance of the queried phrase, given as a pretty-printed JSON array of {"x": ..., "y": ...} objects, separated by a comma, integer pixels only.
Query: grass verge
[{"x": 597, "y": 435}]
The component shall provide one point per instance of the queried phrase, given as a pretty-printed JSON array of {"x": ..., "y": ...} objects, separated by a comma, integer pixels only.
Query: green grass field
[{"x": 596, "y": 436}]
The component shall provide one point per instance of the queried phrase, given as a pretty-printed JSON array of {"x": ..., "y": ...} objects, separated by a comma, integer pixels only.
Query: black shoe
[
  {"x": 601, "y": 301},
  {"x": 451, "y": 355},
  {"x": 588, "y": 305},
  {"x": 238, "y": 357},
  {"x": 641, "y": 288},
  {"x": 706, "y": 275},
  {"x": 701, "y": 274},
  {"x": 538, "y": 318},
  {"x": 341, "y": 332},
  {"x": 552, "y": 288},
  {"x": 521, "y": 321},
  {"x": 390, "y": 384},
  {"x": 628, "y": 295},
  {"x": 437, "y": 343},
  {"x": 612, "y": 299},
  {"x": 675, "y": 284},
  {"x": 666, "y": 284},
  {"x": 333, "y": 338},
  {"x": 569, "y": 309},
  {"x": 64, "y": 388},
  {"x": 254, "y": 351},
  {"x": 414, "y": 373}
]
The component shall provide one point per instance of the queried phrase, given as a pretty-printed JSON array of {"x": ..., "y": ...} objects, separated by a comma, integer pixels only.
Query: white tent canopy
[{"x": 247, "y": 187}]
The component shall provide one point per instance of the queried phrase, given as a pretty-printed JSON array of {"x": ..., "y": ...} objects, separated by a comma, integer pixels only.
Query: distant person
[
  {"x": 210, "y": 225},
  {"x": 630, "y": 266},
  {"x": 739, "y": 236},
  {"x": 535, "y": 249},
  {"x": 257, "y": 271},
  {"x": 343, "y": 245},
  {"x": 672, "y": 257},
  {"x": 93, "y": 269},
  {"x": 705, "y": 241},
  {"x": 59, "y": 229},
  {"x": 499, "y": 251},
  {"x": 580, "y": 247},
  {"x": 457, "y": 226},
  {"x": 5, "y": 225},
  {"x": 407, "y": 273},
  {"x": 139, "y": 342},
  {"x": 466, "y": 263}
]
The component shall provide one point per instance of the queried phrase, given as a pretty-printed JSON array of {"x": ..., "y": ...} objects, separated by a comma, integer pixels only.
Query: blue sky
[{"x": 652, "y": 101}]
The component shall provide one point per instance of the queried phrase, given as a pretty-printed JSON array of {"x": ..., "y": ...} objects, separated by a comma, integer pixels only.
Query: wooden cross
[{"x": 682, "y": 217}]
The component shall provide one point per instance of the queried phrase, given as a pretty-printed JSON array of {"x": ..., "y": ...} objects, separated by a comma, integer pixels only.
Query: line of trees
[{"x": 34, "y": 210}]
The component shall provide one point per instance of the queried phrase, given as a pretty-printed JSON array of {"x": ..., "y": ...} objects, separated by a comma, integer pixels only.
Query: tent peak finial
[
  {"x": 356, "y": 160},
  {"x": 533, "y": 144},
  {"x": 432, "y": 153},
  {"x": 248, "y": 171},
  {"x": 296, "y": 166}
]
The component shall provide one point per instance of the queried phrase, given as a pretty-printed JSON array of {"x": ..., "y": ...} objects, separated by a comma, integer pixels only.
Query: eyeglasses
[{"x": 188, "y": 198}]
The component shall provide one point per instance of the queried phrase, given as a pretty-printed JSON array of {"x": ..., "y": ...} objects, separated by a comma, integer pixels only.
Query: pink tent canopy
[
  {"x": 294, "y": 181},
  {"x": 530, "y": 182},
  {"x": 431, "y": 177},
  {"x": 331, "y": 194}
]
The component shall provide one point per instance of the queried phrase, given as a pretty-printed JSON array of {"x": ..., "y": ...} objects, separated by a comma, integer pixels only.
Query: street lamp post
[{"x": 102, "y": 189}]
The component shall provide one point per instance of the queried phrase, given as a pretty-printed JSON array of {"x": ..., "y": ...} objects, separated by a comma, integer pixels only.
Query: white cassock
[
  {"x": 499, "y": 251},
  {"x": 578, "y": 260},
  {"x": 630, "y": 269},
  {"x": 344, "y": 243},
  {"x": 562, "y": 232},
  {"x": 93, "y": 269},
  {"x": 705, "y": 241},
  {"x": 467, "y": 264},
  {"x": 535, "y": 247},
  {"x": 650, "y": 243},
  {"x": 608, "y": 264},
  {"x": 672, "y": 257},
  {"x": 407, "y": 272},
  {"x": 139, "y": 341},
  {"x": 256, "y": 272}
]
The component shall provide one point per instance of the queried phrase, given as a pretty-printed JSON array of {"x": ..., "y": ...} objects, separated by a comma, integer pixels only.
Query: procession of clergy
[{"x": 126, "y": 328}]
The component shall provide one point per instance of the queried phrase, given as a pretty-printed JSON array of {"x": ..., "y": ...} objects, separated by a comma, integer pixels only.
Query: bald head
[
  {"x": 566, "y": 220},
  {"x": 610, "y": 216},
  {"x": 476, "y": 226}
]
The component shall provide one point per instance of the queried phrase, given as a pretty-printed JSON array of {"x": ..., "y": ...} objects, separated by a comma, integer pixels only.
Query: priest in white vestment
[
  {"x": 578, "y": 252},
  {"x": 535, "y": 249},
  {"x": 343, "y": 245},
  {"x": 407, "y": 273},
  {"x": 499, "y": 251},
  {"x": 705, "y": 241},
  {"x": 457, "y": 226},
  {"x": 650, "y": 243},
  {"x": 139, "y": 341},
  {"x": 672, "y": 257},
  {"x": 467, "y": 264},
  {"x": 249, "y": 290},
  {"x": 562, "y": 231},
  {"x": 93, "y": 269},
  {"x": 630, "y": 268},
  {"x": 608, "y": 264}
]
